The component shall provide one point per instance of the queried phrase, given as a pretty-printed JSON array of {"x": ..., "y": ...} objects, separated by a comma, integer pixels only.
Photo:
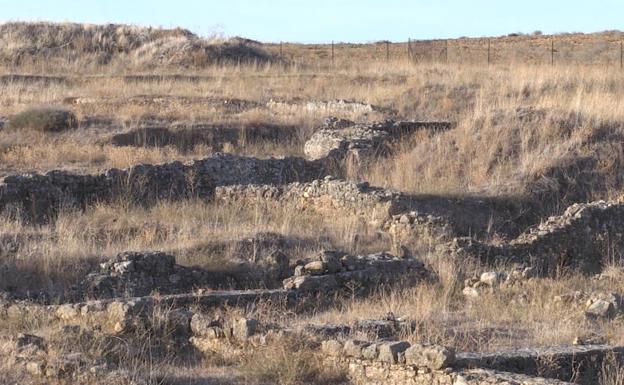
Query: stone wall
[
  {"x": 402, "y": 363},
  {"x": 38, "y": 197},
  {"x": 580, "y": 364},
  {"x": 584, "y": 238},
  {"x": 414, "y": 219},
  {"x": 325, "y": 196},
  {"x": 119, "y": 315},
  {"x": 333, "y": 271},
  {"x": 361, "y": 142}
]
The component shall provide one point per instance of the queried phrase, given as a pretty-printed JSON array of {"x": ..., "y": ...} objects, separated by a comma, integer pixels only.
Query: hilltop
[{"x": 87, "y": 45}]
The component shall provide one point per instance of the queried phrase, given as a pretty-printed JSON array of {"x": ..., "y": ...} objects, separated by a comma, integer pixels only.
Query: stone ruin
[
  {"x": 335, "y": 270},
  {"x": 403, "y": 363},
  {"x": 42, "y": 361},
  {"x": 579, "y": 239},
  {"x": 37, "y": 197},
  {"x": 126, "y": 291},
  {"x": 134, "y": 274},
  {"x": 360, "y": 142}
]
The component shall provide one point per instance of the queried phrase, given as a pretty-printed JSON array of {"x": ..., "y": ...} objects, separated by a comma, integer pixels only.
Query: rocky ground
[{"x": 275, "y": 225}]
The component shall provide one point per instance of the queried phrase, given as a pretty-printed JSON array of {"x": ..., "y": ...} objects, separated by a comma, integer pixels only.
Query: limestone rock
[
  {"x": 491, "y": 278},
  {"x": 371, "y": 352},
  {"x": 601, "y": 309},
  {"x": 353, "y": 348},
  {"x": 434, "y": 357},
  {"x": 389, "y": 352},
  {"x": 315, "y": 268},
  {"x": 470, "y": 292}
]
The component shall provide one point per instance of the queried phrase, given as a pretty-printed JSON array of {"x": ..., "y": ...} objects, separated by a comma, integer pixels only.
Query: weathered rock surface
[{"x": 433, "y": 357}]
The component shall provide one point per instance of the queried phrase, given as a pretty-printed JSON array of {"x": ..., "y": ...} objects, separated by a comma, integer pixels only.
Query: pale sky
[{"x": 327, "y": 20}]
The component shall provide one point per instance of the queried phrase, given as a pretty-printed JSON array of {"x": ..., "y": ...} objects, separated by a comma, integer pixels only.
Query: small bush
[{"x": 45, "y": 119}]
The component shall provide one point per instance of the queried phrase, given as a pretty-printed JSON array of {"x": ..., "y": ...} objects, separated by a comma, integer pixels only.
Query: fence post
[
  {"x": 621, "y": 55},
  {"x": 281, "y": 49},
  {"x": 332, "y": 53},
  {"x": 489, "y": 54},
  {"x": 409, "y": 49},
  {"x": 446, "y": 56},
  {"x": 387, "y": 51},
  {"x": 552, "y": 52}
]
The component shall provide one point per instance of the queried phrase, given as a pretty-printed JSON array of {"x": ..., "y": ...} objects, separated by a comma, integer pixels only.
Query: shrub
[{"x": 45, "y": 119}]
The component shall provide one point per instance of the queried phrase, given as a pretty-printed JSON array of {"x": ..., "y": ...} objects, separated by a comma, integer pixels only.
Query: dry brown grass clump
[
  {"x": 43, "y": 119},
  {"x": 290, "y": 362}
]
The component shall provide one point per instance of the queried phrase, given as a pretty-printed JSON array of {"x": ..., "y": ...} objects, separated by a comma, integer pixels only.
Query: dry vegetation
[{"x": 522, "y": 132}]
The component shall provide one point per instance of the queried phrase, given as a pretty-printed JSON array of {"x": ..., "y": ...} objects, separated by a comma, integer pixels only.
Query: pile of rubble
[
  {"x": 490, "y": 281},
  {"x": 136, "y": 274},
  {"x": 596, "y": 305}
]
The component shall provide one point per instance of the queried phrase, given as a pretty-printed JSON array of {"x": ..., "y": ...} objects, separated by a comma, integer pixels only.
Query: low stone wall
[
  {"x": 135, "y": 274},
  {"x": 579, "y": 363},
  {"x": 334, "y": 271},
  {"x": 584, "y": 238},
  {"x": 384, "y": 210},
  {"x": 325, "y": 196},
  {"x": 402, "y": 363},
  {"x": 120, "y": 315},
  {"x": 38, "y": 197},
  {"x": 427, "y": 220},
  {"x": 187, "y": 136}
]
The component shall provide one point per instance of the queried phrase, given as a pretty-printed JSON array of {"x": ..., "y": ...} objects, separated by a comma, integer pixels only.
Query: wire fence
[{"x": 575, "y": 49}]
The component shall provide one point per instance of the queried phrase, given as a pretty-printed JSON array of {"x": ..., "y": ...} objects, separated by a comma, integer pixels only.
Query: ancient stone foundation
[
  {"x": 361, "y": 142},
  {"x": 338, "y": 271},
  {"x": 402, "y": 363},
  {"x": 585, "y": 237},
  {"x": 39, "y": 196}
]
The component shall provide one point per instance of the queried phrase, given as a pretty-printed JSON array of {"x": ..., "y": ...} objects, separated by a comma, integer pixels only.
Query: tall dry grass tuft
[{"x": 290, "y": 362}]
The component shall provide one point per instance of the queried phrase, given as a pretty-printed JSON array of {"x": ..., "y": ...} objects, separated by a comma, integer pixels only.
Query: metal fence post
[
  {"x": 387, "y": 51},
  {"x": 552, "y": 51},
  {"x": 332, "y": 53},
  {"x": 489, "y": 54}
]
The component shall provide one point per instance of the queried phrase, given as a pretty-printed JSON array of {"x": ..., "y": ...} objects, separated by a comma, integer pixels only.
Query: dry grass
[
  {"x": 41, "y": 256},
  {"x": 521, "y": 131}
]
